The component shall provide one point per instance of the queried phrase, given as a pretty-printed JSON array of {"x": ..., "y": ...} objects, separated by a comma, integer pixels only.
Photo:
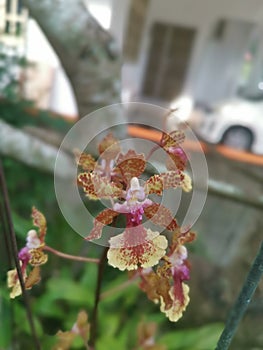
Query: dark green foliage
[{"x": 22, "y": 114}]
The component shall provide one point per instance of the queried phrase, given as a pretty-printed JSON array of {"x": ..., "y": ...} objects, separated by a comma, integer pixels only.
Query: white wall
[
  {"x": 39, "y": 50},
  {"x": 120, "y": 9},
  {"x": 199, "y": 14}
]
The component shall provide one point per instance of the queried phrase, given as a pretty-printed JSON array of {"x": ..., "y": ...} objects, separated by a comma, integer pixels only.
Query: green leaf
[
  {"x": 20, "y": 314},
  {"x": 5, "y": 323},
  {"x": 203, "y": 338},
  {"x": 131, "y": 292},
  {"x": 70, "y": 291},
  {"x": 21, "y": 225},
  {"x": 110, "y": 343},
  {"x": 43, "y": 306}
]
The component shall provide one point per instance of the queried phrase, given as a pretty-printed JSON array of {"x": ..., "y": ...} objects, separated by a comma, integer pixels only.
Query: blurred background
[{"x": 60, "y": 61}]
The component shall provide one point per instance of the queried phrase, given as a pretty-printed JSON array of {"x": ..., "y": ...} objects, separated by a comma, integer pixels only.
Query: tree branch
[
  {"x": 233, "y": 193},
  {"x": 31, "y": 151},
  {"x": 34, "y": 152},
  {"x": 85, "y": 49}
]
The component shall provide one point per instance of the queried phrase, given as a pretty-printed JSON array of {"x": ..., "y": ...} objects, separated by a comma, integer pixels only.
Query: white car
[{"x": 237, "y": 123}]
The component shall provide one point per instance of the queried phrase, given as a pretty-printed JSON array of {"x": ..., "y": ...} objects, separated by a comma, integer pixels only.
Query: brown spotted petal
[
  {"x": 109, "y": 147},
  {"x": 176, "y": 160},
  {"x": 64, "y": 340},
  {"x": 130, "y": 257},
  {"x": 97, "y": 187},
  {"x": 85, "y": 161},
  {"x": 82, "y": 327},
  {"x": 174, "y": 139},
  {"x": 154, "y": 185},
  {"x": 33, "y": 277},
  {"x": 38, "y": 257},
  {"x": 146, "y": 337},
  {"x": 146, "y": 332},
  {"x": 160, "y": 215},
  {"x": 180, "y": 238},
  {"x": 154, "y": 347},
  {"x": 172, "y": 179},
  {"x": 130, "y": 165},
  {"x": 39, "y": 221},
  {"x": 187, "y": 183},
  {"x": 14, "y": 283},
  {"x": 175, "y": 312},
  {"x": 82, "y": 319},
  {"x": 105, "y": 188},
  {"x": 155, "y": 286},
  {"x": 86, "y": 181},
  {"x": 106, "y": 217}
]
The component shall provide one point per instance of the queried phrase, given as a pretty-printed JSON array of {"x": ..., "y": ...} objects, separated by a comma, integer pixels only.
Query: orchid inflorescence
[
  {"x": 31, "y": 255},
  {"x": 116, "y": 177},
  {"x": 161, "y": 264}
]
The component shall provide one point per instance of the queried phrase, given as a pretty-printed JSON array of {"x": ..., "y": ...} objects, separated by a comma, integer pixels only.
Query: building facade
[
  {"x": 207, "y": 49},
  {"x": 13, "y": 23}
]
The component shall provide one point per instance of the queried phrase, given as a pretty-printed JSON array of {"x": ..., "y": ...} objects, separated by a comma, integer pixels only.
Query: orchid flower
[
  {"x": 136, "y": 246},
  {"x": 31, "y": 254},
  {"x": 166, "y": 285}
]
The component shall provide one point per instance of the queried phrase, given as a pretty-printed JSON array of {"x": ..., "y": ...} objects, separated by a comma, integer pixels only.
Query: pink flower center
[
  {"x": 177, "y": 151},
  {"x": 135, "y": 202},
  {"x": 24, "y": 255}
]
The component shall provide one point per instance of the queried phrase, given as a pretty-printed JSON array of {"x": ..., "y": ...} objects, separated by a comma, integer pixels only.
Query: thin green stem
[
  {"x": 164, "y": 130},
  {"x": 94, "y": 318},
  {"x": 242, "y": 302},
  {"x": 4, "y": 229},
  {"x": 69, "y": 256},
  {"x": 8, "y": 248},
  {"x": 155, "y": 148}
]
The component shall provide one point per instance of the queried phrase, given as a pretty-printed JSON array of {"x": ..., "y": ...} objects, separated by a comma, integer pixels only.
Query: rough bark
[
  {"x": 52, "y": 138},
  {"x": 87, "y": 52}
]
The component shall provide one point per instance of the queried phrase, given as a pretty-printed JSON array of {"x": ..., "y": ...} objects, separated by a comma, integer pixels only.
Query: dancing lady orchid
[{"x": 136, "y": 246}]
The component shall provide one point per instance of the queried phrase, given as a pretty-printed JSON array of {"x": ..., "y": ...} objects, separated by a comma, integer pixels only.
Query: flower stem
[
  {"x": 4, "y": 229},
  {"x": 70, "y": 257},
  {"x": 242, "y": 302},
  {"x": 13, "y": 244},
  {"x": 165, "y": 118},
  {"x": 155, "y": 148},
  {"x": 94, "y": 319}
]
